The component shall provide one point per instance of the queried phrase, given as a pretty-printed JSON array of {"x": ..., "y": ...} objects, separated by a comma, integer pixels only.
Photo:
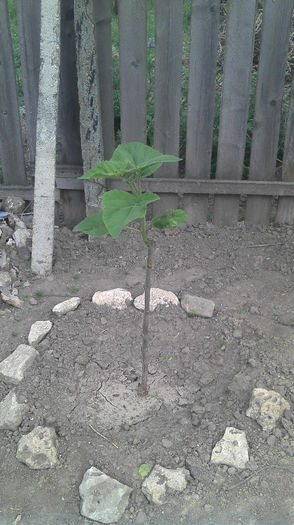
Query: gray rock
[
  {"x": 3, "y": 258},
  {"x": 5, "y": 280},
  {"x": 266, "y": 407},
  {"x": 38, "y": 331},
  {"x": 11, "y": 412},
  {"x": 141, "y": 518},
  {"x": 104, "y": 499},
  {"x": 13, "y": 368},
  {"x": 21, "y": 237},
  {"x": 13, "y": 204},
  {"x": 161, "y": 480},
  {"x": 232, "y": 449},
  {"x": 33, "y": 301},
  {"x": 158, "y": 297},
  {"x": 118, "y": 298},
  {"x": 66, "y": 306},
  {"x": 37, "y": 449},
  {"x": 195, "y": 305}
]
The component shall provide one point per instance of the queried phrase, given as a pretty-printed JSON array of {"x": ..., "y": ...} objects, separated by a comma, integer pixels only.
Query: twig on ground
[
  {"x": 101, "y": 435},
  {"x": 232, "y": 487},
  {"x": 266, "y": 245}
]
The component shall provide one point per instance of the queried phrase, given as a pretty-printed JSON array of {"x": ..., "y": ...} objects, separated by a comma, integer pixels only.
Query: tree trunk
[
  {"x": 89, "y": 99},
  {"x": 43, "y": 226}
]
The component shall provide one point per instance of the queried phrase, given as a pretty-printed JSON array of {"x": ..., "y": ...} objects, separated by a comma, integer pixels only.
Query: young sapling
[{"x": 131, "y": 162}]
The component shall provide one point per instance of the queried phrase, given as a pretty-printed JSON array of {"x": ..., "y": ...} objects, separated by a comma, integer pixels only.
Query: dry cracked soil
[{"x": 202, "y": 372}]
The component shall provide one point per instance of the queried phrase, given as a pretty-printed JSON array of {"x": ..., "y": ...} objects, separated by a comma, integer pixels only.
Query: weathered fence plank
[
  {"x": 28, "y": 19},
  {"x": 102, "y": 19},
  {"x": 68, "y": 130},
  {"x": 132, "y": 36},
  {"x": 235, "y": 104},
  {"x": 285, "y": 211},
  {"x": 203, "y": 55},
  {"x": 11, "y": 147},
  {"x": 89, "y": 100},
  {"x": 168, "y": 66},
  {"x": 277, "y": 18}
]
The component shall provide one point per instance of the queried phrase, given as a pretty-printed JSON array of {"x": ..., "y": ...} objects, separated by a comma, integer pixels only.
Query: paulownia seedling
[{"x": 131, "y": 162}]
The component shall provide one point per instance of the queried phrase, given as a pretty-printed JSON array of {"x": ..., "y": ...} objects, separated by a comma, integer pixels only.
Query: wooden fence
[{"x": 191, "y": 185}]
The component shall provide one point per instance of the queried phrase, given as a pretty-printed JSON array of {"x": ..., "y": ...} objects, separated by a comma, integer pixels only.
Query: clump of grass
[
  {"x": 39, "y": 293},
  {"x": 14, "y": 334}
]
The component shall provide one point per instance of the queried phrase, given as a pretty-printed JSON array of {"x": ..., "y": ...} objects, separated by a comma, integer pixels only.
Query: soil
[{"x": 202, "y": 372}]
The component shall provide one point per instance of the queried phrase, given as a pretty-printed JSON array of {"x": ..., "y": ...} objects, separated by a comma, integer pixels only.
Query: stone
[
  {"x": 5, "y": 280},
  {"x": 3, "y": 259},
  {"x": 266, "y": 407},
  {"x": 33, "y": 301},
  {"x": 195, "y": 305},
  {"x": 13, "y": 300},
  {"x": 141, "y": 518},
  {"x": 104, "y": 499},
  {"x": 161, "y": 480},
  {"x": 158, "y": 297},
  {"x": 66, "y": 306},
  {"x": 232, "y": 449},
  {"x": 13, "y": 204},
  {"x": 38, "y": 331},
  {"x": 37, "y": 449},
  {"x": 13, "y": 368},
  {"x": 21, "y": 237},
  {"x": 118, "y": 298},
  {"x": 11, "y": 412}
]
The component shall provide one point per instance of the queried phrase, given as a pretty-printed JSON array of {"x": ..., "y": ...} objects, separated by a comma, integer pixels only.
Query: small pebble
[
  {"x": 271, "y": 440},
  {"x": 166, "y": 443},
  {"x": 208, "y": 508},
  {"x": 32, "y": 301}
]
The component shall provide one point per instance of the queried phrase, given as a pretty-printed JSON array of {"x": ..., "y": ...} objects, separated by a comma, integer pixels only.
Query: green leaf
[
  {"x": 106, "y": 169},
  {"x": 130, "y": 158},
  {"x": 144, "y": 470},
  {"x": 121, "y": 207},
  {"x": 93, "y": 225},
  {"x": 169, "y": 219},
  {"x": 141, "y": 159}
]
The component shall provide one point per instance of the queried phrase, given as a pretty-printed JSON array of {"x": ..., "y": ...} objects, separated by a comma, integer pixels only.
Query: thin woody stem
[{"x": 143, "y": 387}]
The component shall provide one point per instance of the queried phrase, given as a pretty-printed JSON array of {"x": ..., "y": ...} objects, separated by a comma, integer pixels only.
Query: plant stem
[{"x": 143, "y": 387}]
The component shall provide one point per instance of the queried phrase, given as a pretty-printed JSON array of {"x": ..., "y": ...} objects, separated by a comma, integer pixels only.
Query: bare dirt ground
[{"x": 89, "y": 366}]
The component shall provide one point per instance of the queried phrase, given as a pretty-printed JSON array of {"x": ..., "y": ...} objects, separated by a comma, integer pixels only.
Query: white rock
[
  {"x": 104, "y": 499},
  {"x": 266, "y": 407},
  {"x": 13, "y": 300},
  {"x": 11, "y": 412},
  {"x": 13, "y": 368},
  {"x": 157, "y": 297},
  {"x": 156, "y": 485},
  {"x": 37, "y": 449},
  {"x": 118, "y": 298},
  {"x": 5, "y": 280},
  {"x": 194, "y": 305},
  {"x": 38, "y": 331},
  {"x": 232, "y": 449},
  {"x": 66, "y": 306},
  {"x": 21, "y": 237}
]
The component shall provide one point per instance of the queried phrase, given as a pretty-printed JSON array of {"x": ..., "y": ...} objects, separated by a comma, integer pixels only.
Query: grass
[{"x": 39, "y": 293}]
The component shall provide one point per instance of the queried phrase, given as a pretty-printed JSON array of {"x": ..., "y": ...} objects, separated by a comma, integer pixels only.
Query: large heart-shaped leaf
[
  {"x": 141, "y": 158},
  {"x": 121, "y": 207},
  {"x": 169, "y": 219},
  {"x": 93, "y": 225},
  {"x": 106, "y": 169}
]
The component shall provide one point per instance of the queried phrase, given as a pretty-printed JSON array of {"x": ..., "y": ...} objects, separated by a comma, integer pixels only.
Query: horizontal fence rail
[{"x": 206, "y": 80}]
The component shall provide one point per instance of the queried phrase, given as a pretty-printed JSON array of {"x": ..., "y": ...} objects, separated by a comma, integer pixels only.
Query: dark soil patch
[{"x": 202, "y": 372}]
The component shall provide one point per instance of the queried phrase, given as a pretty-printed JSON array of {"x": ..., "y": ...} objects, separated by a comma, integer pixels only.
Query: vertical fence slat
[
  {"x": 235, "y": 104},
  {"x": 11, "y": 147},
  {"x": 168, "y": 66},
  {"x": 285, "y": 211},
  {"x": 68, "y": 131},
  {"x": 132, "y": 37},
  {"x": 203, "y": 56},
  {"x": 272, "y": 63},
  {"x": 102, "y": 19},
  {"x": 28, "y": 19}
]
